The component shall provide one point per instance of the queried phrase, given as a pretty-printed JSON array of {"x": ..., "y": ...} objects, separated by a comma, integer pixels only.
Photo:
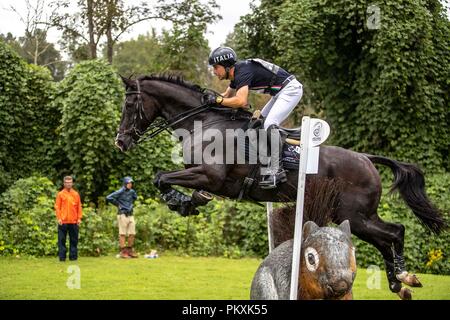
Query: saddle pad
[{"x": 290, "y": 156}]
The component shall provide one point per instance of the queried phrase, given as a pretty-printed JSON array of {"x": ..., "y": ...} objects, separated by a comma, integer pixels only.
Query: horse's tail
[{"x": 410, "y": 182}]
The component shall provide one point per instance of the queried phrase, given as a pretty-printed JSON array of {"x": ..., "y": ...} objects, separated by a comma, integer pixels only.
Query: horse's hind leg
[
  {"x": 384, "y": 236},
  {"x": 397, "y": 269},
  {"x": 399, "y": 260}
]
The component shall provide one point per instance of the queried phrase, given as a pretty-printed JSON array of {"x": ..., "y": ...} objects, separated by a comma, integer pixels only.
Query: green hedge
[
  {"x": 28, "y": 223},
  {"x": 27, "y": 220},
  {"x": 91, "y": 98},
  {"x": 28, "y": 119},
  {"x": 223, "y": 228}
]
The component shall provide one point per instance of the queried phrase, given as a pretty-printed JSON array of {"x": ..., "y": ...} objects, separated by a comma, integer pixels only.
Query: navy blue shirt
[
  {"x": 256, "y": 77},
  {"x": 123, "y": 199}
]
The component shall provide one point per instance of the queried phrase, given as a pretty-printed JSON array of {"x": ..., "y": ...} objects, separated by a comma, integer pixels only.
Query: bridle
[
  {"x": 158, "y": 125},
  {"x": 139, "y": 110}
]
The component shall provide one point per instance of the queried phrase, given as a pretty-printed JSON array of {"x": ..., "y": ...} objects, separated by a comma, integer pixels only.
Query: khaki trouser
[{"x": 126, "y": 224}]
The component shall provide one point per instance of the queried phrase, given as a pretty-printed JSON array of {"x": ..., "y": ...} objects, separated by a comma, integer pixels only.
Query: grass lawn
[{"x": 165, "y": 278}]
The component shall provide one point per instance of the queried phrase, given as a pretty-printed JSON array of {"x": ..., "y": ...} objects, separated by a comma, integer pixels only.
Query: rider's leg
[
  {"x": 266, "y": 109},
  {"x": 273, "y": 173},
  {"x": 280, "y": 106}
]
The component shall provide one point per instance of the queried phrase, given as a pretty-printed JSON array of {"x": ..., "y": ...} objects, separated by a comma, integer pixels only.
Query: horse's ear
[
  {"x": 345, "y": 227},
  {"x": 127, "y": 82},
  {"x": 308, "y": 228}
]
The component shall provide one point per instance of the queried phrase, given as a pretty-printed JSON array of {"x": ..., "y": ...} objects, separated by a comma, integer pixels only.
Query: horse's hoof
[
  {"x": 409, "y": 279},
  {"x": 405, "y": 294},
  {"x": 200, "y": 198}
]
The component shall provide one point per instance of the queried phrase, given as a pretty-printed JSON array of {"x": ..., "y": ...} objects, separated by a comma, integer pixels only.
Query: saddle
[
  {"x": 291, "y": 143},
  {"x": 289, "y": 135}
]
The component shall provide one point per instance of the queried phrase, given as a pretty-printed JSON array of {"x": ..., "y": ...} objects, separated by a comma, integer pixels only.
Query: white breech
[{"x": 281, "y": 105}]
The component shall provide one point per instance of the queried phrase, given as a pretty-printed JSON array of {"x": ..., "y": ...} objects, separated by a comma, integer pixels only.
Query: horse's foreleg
[
  {"x": 163, "y": 187},
  {"x": 199, "y": 178},
  {"x": 193, "y": 178}
]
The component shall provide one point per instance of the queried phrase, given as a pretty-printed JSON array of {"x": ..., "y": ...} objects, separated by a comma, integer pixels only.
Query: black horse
[{"x": 156, "y": 103}]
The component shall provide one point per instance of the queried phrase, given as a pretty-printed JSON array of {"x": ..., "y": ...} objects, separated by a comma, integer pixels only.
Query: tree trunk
[
  {"x": 112, "y": 6},
  {"x": 90, "y": 16},
  {"x": 36, "y": 49},
  {"x": 110, "y": 45}
]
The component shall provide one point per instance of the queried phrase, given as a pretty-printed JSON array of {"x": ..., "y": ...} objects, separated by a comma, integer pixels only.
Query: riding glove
[{"x": 213, "y": 99}]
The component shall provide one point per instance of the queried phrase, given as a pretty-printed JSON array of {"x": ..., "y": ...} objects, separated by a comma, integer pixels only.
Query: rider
[{"x": 264, "y": 77}]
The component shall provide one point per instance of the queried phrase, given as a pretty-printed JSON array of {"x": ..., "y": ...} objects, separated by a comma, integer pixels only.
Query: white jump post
[
  {"x": 313, "y": 133},
  {"x": 269, "y": 209}
]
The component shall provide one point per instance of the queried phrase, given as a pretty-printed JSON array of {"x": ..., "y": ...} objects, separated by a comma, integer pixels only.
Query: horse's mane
[
  {"x": 175, "y": 79},
  {"x": 179, "y": 80}
]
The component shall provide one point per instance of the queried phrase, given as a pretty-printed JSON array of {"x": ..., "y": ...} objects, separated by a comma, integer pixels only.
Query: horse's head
[{"x": 138, "y": 111}]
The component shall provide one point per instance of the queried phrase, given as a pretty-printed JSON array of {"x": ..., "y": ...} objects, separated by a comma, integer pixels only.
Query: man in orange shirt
[{"x": 68, "y": 212}]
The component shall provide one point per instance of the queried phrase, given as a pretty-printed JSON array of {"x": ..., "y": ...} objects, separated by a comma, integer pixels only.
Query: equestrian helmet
[{"x": 223, "y": 56}]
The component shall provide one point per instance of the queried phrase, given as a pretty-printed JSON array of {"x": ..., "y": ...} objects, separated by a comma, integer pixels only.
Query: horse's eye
[{"x": 311, "y": 259}]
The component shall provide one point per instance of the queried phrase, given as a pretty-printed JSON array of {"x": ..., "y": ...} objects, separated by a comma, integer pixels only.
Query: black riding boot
[{"x": 275, "y": 173}]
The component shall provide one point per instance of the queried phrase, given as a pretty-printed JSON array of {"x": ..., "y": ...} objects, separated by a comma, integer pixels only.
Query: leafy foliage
[
  {"x": 186, "y": 51},
  {"x": 139, "y": 56},
  {"x": 85, "y": 29},
  {"x": 91, "y": 96},
  {"x": 255, "y": 34},
  {"x": 28, "y": 119},
  {"x": 27, "y": 220},
  {"x": 96, "y": 236},
  {"x": 34, "y": 48},
  {"x": 382, "y": 81},
  {"x": 223, "y": 228},
  {"x": 182, "y": 50}
]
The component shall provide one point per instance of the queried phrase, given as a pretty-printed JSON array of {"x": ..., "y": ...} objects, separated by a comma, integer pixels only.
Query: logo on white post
[{"x": 320, "y": 130}]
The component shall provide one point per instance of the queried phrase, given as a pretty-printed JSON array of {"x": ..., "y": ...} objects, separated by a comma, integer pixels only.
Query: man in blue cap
[{"x": 123, "y": 199}]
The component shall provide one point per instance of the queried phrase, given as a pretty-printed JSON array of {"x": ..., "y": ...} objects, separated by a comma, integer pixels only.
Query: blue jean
[{"x": 72, "y": 228}]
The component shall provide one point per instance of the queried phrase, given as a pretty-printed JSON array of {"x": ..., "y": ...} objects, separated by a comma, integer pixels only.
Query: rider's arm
[
  {"x": 230, "y": 92},
  {"x": 238, "y": 101}
]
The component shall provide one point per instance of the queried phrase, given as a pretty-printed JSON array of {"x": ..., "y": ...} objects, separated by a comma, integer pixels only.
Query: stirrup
[{"x": 271, "y": 181}]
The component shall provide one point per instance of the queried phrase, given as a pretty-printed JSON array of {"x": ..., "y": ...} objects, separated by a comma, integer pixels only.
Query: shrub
[
  {"x": 90, "y": 96},
  {"x": 97, "y": 234},
  {"x": 28, "y": 119},
  {"x": 28, "y": 223},
  {"x": 223, "y": 228}
]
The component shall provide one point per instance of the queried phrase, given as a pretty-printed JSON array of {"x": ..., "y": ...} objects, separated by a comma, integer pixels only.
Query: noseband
[{"x": 139, "y": 110}]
